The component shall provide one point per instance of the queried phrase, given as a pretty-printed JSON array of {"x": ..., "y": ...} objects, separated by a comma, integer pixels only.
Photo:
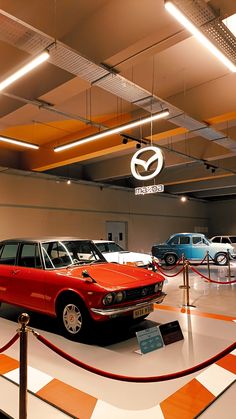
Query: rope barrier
[
  {"x": 211, "y": 280},
  {"x": 164, "y": 273},
  {"x": 10, "y": 343},
  {"x": 119, "y": 377},
  {"x": 202, "y": 261},
  {"x": 172, "y": 267}
]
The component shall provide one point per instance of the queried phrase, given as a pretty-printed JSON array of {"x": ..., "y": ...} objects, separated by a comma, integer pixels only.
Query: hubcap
[{"x": 72, "y": 318}]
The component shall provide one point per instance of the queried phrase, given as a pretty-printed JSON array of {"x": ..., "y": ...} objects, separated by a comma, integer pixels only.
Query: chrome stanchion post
[
  {"x": 23, "y": 320},
  {"x": 184, "y": 274},
  {"x": 187, "y": 281},
  {"x": 187, "y": 284},
  {"x": 208, "y": 265}
]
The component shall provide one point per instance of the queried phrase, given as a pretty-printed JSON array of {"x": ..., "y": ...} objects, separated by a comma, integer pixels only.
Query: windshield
[
  {"x": 109, "y": 247},
  {"x": 59, "y": 254}
]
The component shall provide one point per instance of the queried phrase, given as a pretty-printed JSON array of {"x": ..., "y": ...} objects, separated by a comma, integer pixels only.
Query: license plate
[{"x": 142, "y": 311}]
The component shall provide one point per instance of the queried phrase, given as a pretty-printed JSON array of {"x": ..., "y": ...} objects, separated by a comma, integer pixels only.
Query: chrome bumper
[{"x": 122, "y": 310}]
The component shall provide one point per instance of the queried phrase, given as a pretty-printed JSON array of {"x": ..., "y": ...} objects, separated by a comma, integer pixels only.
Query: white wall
[{"x": 33, "y": 206}]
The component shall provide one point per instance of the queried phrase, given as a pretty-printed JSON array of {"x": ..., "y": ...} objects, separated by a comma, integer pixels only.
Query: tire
[
  {"x": 221, "y": 259},
  {"x": 74, "y": 320},
  {"x": 170, "y": 259}
]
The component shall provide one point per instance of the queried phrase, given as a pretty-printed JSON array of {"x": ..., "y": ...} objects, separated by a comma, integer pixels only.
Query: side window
[
  {"x": 29, "y": 256},
  {"x": 8, "y": 254},
  {"x": 184, "y": 240},
  {"x": 175, "y": 240},
  {"x": 225, "y": 240},
  {"x": 197, "y": 240},
  {"x": 216, "y": 240}
]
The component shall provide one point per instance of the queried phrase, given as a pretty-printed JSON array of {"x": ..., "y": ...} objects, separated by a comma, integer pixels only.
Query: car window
[
  {"x": 225, "y": 240},
  {"x": 216, "y": 239},
  {"x": 8, "y": 254},
  {"x": 102, "y": 247},
  {"x": 233, "y": 239},
  {"x": 197, "y": 240},
  {"x": 184, "y": 240},
  {"x": 60, "y": 254},
  {"x": 29, "y": 256},
  {"x": 114, "y": 247},
  {"x": 174, "y": 240}
]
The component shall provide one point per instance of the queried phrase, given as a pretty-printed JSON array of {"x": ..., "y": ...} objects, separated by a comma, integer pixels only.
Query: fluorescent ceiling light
[
  {"x": 19, "y": 142},
  {"x": 230, "y": 22},
  {"x": 177, "y": 14},
  {"x": 115, "y": 130},
  {"x": 24, "y": 70}
]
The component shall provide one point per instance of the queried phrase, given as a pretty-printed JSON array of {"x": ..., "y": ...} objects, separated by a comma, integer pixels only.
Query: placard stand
[{"x": 158, "y": 336}]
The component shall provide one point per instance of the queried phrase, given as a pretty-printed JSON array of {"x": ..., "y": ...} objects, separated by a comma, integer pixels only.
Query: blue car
[{"x": 194, "y": 246}]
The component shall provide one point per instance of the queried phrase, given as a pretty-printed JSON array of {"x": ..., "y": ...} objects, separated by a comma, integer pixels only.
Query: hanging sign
[
  {"x": 137, "y": 162},
  {"x": 144, "y": 190}
]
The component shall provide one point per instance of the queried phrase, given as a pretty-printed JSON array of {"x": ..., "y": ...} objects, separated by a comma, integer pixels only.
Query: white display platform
[{"x": 203, "y": 338}]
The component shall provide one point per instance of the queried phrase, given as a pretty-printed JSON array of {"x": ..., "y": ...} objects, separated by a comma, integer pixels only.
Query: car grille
[{"x": 137, "y": 293}]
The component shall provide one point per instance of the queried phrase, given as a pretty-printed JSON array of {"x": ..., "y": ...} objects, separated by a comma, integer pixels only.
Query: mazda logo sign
[{"x": 137, "y": 162}]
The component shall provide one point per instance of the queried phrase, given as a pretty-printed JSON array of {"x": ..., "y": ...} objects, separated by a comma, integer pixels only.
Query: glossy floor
[{"x": 85, "y": 395}]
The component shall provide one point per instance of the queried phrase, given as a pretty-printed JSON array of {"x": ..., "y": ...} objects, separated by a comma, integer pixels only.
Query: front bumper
[{"x": 122, "y": 310}]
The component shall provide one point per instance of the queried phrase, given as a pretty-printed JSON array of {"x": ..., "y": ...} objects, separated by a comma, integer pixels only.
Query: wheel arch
[
  {"x": 66, "y": 295},
  {"x": 219, "y": 253}
]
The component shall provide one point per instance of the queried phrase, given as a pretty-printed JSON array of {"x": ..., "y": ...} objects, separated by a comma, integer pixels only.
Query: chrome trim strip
[{"x": 113, "y": 311}]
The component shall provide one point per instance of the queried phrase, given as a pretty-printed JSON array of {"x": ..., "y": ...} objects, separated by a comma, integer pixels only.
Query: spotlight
[
  {"x": 138, "y": 145},
  {"x": 68, "y": 182},
  {"x": 213, "y": 170},
  {"x": 125, "y": 140},
  {"x": 183, "y": 199}
]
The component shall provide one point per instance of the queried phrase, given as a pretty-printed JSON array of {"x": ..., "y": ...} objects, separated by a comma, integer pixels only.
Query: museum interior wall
[
  {"x": 222, "y": 217},
  {"x": 32, "y": 206}
]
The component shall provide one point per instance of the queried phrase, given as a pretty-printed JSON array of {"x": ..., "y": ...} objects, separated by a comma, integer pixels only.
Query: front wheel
[
  {"x": 170, "y": 259},
  {"x": 74, "y": 319},
  {"x": 221, "y": 259}
]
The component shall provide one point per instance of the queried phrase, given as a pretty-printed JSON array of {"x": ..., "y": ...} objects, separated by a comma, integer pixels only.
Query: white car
[{"x": 113, "y": 252}]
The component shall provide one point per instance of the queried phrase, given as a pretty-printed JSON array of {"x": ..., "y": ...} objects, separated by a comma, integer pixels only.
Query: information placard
[
  {"x": 149, "y": 339},
  {"x": 171, "y": 332}
]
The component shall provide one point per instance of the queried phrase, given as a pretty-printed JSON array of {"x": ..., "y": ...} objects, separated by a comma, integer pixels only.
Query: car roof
[
  {"x": 103, "y": 241},
  {"x": 42, "y": 239}
]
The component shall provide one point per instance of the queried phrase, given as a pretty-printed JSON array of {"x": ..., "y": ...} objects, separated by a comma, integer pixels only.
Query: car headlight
[
  {"x": 119, "y": 296},
  {"x": 158, "y": 286},
  {"x": 108, "y": 299}
]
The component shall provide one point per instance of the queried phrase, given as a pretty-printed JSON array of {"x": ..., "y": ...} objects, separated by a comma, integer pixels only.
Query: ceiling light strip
[
  {"x": 115, "y": 130},
  {"x": 19, "y": 142},
  {"x": 178, "y": 15},
  {"x": 24, "y": 70}
]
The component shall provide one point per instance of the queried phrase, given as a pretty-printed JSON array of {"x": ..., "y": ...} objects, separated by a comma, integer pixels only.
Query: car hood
[
  {"x": 126, "y": 256},
  {"x": 111, "y": 275}
]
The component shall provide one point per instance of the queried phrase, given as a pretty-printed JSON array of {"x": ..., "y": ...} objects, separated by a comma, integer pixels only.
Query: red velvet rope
[
  {"x": 203, "y": 260},
  {"x": 165, "y": 274},
  {"x": 119, "y": 377},
  {"x": 212, "y": 280},
  {"x": 173, "y": 267},
  {"x": 10, "y": 343}
]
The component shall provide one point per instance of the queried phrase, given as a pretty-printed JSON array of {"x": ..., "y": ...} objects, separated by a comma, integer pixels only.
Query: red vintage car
[{"x": 70, "y": 279}]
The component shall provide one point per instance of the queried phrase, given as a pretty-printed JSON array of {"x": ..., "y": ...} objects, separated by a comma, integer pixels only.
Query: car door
[
  {"x": 199, "y": 247},
  {"x": 8, "y": 253},
  {"x": 184, "y": 247},
  {"x": 26, "y": 285}
]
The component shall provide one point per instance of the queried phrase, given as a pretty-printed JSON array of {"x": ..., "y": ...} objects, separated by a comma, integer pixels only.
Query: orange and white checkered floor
[{"x": 80, "y": 394}]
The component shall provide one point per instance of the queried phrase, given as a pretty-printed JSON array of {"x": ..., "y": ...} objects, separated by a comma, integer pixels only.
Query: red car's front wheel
[{"x": 74, "y": 319}]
